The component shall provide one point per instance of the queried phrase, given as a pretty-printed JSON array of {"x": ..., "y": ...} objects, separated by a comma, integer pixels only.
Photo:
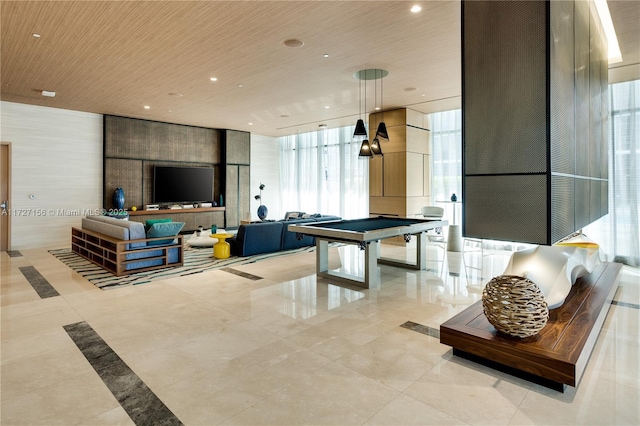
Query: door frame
[{"x": 8, "y": 236}]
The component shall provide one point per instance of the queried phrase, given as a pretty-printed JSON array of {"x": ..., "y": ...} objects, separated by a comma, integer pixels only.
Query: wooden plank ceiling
[{"x": 115, "y": 57}]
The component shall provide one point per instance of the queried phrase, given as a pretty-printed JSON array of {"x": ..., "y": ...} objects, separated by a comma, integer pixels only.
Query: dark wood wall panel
[
  {"x": 231, "y": 200},
  {"x": 125, "y": 174},
  {"x": 132, "y": 147},
  {"x": 238, "y": 147},
  {"x": 243, "y": 192},
  {"x": 151, "y": 140}
]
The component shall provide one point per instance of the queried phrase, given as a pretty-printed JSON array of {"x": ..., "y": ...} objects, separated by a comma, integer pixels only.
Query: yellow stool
[{"x": 221, "y": 249}]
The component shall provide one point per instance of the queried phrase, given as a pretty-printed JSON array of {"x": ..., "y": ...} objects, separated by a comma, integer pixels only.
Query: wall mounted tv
[{"x": 182, "y": 184}]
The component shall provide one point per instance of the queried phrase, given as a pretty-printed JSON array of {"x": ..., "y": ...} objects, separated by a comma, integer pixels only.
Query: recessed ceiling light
[
  {"x": 36, "y": 35},
  {"x": 327, "y": 107},
  {"x": 49, "y": 93},
  {"x": 240, "y": 85},
  {"x": 410, "y": 89},
  {"x": 175, "y": 95},
  {"x": 250, "y": 124},
  {"x": 213, "y": 79},
  {"x": 322, "y": 126},
  {"x": 416, "y": 9},
  {"x": 147, "y": 107},
  {"x": 377, "y": 108},
  {"x": 293, "y": 42},
  {"x": 326, "y": 55},
  {"x": 284, "y": 116}
]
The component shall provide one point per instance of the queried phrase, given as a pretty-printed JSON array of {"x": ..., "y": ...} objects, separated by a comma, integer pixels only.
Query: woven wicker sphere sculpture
[{"x": 515, "y": 305}]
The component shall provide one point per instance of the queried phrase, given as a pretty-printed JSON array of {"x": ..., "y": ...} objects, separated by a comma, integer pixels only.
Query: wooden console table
[
  {"x": 555, "y": 357},
  {"x": 192, "y": 218}
]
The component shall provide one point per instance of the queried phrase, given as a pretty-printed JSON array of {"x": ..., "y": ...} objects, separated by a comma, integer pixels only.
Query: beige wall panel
[
  {"x": 399, "y": 117},
  {"x": 395, "y": 182},
  {"x": 397, "y": 140},
  {"x": 427, "y": 175},
  {"x": 417, "y": 140},
  {"x": 415, "y": 175},
  {"x": 238, "y": 146},
  {"x": 57, "y": 157},
  {"x": 416, "y": 118},
  {"x": 396, "y": 117},
  {"x": 415, "y": 204},
  {"x": 388, "y": 205},
  {"x": 125, "y": 174},
  {"x": 375, "y": 176}
]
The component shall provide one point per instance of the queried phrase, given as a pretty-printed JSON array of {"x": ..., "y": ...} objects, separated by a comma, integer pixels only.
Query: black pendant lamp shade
[
  {"x": 376, "y": 149},
  {"x": 365, "y": 149},
  {"x": 360, "y": 129},
  {"x": 382, "y": 132}
]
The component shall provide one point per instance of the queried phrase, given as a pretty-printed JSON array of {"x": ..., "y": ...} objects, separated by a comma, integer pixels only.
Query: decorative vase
[
  {"x": 454, "y": 198},
  {"x": 262, "y": 212},
  {"x": 118, "y": 199},
  {"x": 221, "y": 204}
]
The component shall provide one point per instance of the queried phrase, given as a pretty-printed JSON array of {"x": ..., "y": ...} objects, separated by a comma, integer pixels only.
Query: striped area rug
[{"x": 195, "y": 261}]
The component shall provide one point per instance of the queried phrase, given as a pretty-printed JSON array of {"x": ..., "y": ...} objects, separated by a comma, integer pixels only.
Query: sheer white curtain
[
  {"x": 624, "y": 171},
  {"x": 446, "y": 136},
  {"x": 320, "y": 172}
]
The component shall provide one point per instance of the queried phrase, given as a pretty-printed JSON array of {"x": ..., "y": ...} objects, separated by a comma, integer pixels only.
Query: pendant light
[
  {"x": 365, "y": 148},
  {"x": 360, "y": 129},
  {"x": 376, "y": 149}
]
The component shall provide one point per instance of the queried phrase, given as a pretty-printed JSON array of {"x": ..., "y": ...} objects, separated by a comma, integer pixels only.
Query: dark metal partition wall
[{"x": 534, "y": 114}]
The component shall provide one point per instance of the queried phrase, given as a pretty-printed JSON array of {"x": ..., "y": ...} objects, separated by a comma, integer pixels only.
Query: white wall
[
  {"x": 56, "y": 156},
  {"x": 265, "y": 168}
]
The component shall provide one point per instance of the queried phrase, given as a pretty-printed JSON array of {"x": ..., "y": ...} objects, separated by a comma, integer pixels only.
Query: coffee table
[{"x": 204, "y": 240}]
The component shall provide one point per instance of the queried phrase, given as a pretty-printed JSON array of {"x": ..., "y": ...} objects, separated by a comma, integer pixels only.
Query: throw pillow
[
  {"x": 149, "y": 223},
  {"x": 163, "y": 229}
]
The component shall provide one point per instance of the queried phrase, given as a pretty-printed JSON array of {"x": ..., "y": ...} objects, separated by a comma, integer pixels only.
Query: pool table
[{"x": 363, "y": 232}]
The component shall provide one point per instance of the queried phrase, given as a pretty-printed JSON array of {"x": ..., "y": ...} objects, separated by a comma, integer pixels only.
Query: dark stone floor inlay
[
  {"x": 242, "y": 274},
  {"x": 625, "y": 304},
  {"x": 14, "y": 253},
  {"x": 140, "y": 403},
  {"x": 429, "y": 331},
  {"x": 38, "y": 282}
]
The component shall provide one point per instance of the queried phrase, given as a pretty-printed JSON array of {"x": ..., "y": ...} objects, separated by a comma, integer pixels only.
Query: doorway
[{"x": 5, "y": 196}]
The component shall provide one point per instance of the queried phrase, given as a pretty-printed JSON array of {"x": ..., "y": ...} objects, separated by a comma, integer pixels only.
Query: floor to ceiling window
[
  {"x": 320, "y": 172},
  {"x": 446, "y": 154},
  {"x": 624, "y": 172}
]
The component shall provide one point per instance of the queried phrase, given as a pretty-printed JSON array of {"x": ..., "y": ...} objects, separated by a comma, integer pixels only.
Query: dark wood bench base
[{"x": 555, "y": 357}]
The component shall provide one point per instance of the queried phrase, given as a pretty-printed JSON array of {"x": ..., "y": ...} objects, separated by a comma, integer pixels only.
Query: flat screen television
[{"x": 182, "y": 184}]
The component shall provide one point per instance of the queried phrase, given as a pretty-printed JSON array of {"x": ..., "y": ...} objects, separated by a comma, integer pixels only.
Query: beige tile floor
[{"x": 288, "y": 349}]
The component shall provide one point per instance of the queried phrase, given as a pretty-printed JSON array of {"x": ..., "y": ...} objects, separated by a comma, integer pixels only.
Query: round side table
[{"x": 221, "y": 249}]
